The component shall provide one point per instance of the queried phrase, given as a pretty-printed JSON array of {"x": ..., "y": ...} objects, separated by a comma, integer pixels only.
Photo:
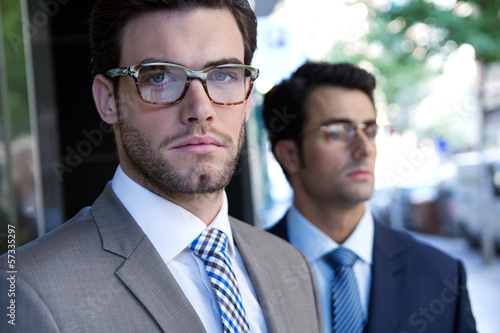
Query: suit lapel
[
  {"x": 143, "y": 271},
  {"x": 388, "y": 275},
  {"x": 148, "y": 278},
  {"x": 271, "y": 302}
]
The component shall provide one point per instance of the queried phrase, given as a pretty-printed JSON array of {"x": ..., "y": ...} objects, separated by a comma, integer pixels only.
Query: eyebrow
[
  {"x": 345, "y": 120},
  {"x": 223, "y": 61},
  {"x": 208, "y": 64}
]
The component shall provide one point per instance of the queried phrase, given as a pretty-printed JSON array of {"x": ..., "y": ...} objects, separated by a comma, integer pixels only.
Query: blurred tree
[
  {"x": 430, "y": 24},
  {"x": 410, "y": 40}
]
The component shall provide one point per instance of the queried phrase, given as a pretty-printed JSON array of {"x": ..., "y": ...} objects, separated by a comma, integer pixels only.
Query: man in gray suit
[{"x": 173, "y": 79}]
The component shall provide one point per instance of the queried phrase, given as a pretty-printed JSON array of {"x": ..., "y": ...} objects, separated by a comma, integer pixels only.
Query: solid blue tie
[
  {"x": 210, "y": 246},
  {"x": 347, "y": 314}
]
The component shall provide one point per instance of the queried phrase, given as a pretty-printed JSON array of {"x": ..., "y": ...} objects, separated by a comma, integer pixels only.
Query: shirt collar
[
  {"x": 361, "y": 240},
  {"x": 168, "y": 226},
  {"x": 315, "y": 244}
]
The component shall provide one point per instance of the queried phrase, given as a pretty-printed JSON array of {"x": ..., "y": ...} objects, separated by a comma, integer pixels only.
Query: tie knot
[
  {"x": 341, "y": 257},
  {"x": 209, "y": 242}
]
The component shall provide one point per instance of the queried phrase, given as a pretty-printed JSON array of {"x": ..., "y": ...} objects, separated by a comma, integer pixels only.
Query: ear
[
  {"x": 104, "y": 98},
  {"x": 287, "y": 154}
]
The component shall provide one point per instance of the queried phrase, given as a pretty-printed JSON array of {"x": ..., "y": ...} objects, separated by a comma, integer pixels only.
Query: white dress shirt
[
  {"x": 315, "y": 244},
  {"x": 171, "y": 229}
]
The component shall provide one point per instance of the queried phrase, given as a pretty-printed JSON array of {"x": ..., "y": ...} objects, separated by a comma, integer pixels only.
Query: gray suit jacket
[{"x": 98, "y": 272}]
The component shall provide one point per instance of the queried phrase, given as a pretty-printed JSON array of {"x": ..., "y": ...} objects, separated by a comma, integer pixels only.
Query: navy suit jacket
[{"x": 414, "y": 288}]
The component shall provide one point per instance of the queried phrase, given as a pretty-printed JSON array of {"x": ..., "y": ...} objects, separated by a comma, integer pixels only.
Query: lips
[
  {"x": 360, "y": 174},
  {"x": 198, "y": 145}
]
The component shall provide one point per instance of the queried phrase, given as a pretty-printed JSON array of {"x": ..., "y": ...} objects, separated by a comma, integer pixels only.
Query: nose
[
  {"x": 196, "y": 106},
  {"x": 362, "y": 146}
]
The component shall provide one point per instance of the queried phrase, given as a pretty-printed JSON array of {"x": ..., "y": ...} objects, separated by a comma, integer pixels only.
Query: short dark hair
[
  {"x": 109, "y": 18},
  {"x": 284, "y": 105}
]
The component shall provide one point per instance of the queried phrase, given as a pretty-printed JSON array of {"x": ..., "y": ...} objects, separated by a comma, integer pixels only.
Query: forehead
[
  {"x": 190, "y": 38},
  {"x": 329, "y": 102}
]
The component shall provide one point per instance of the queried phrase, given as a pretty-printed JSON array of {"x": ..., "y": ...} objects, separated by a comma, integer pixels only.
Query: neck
[
  {"x": 336, "y": 221},
  {"x": 204, "y": 206}
]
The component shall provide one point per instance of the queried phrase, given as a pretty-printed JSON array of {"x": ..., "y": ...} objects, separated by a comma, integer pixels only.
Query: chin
[{"x": 361, "y": 196}]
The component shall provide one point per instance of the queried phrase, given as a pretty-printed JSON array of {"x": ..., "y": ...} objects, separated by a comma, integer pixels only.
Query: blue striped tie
[
  {"x": 347, "y": 314},
  {"x": 210, "y": 246}
]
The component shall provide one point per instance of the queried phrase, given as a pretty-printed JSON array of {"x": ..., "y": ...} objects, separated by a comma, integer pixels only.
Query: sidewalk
[{"x": 483, "y": 281}]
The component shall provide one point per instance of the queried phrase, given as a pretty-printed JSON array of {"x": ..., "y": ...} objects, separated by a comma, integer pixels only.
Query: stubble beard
[
  {"x": 355, "y": 194},
  {"x": 339, "y": 191},
  {"x": 161, "y": 177}
]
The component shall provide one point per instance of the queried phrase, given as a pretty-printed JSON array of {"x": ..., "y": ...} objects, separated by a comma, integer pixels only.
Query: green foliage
[
  {"x": 404, "y": 62},
  {"x": 397, "y": 72},
  {"x": 478, "y": 25},
  {"x": 12, "y": 26},
  {"x": 414, "y": 38}
]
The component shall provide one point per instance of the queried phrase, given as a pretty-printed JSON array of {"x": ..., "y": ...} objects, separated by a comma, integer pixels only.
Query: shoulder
[
  {"x": 280, "y": 229},
  {"x": 424, "y": 277},
  {"x": 270, "y": 249},
  {"x": 74, "y": 240},
  {"x": 420, "y": 254},
  {"x": 403, "y": 238},
  {"x": 66, "y": 234},
  {"x": 263, "y": 238}
]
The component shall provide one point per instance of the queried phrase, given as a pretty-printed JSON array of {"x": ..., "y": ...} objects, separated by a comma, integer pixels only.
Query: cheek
[
  {"x": 154, "y": 125},
  {"x": 322, "y": 158},
  {"x": 328, "y": 164},
  {"x": 128, "y": 94},
  {"x": 231, "y": 123}
]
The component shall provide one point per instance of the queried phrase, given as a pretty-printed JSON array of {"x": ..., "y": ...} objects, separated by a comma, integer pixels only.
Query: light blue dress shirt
[{"x": 315, "y": 244}]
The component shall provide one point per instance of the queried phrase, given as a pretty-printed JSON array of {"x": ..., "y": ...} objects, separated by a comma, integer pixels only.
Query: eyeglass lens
[
  {"x": 345, "y": 132},
  {"x": 166, "y": 84}
]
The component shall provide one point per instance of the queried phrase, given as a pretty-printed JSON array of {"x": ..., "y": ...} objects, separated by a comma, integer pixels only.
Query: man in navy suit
[{"x": 322, "y": 126}]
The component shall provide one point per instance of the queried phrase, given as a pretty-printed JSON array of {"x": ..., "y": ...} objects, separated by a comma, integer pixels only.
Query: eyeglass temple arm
[{"x": 119, "y": 72}]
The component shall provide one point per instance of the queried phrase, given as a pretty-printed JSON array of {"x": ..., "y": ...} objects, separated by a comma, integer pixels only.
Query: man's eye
[
  {"x": 336, "y": 130},
  {"x": 221, "y": 76},
  {"x": 371, "y": 130},
  {"x": 158, "y": 78}
]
